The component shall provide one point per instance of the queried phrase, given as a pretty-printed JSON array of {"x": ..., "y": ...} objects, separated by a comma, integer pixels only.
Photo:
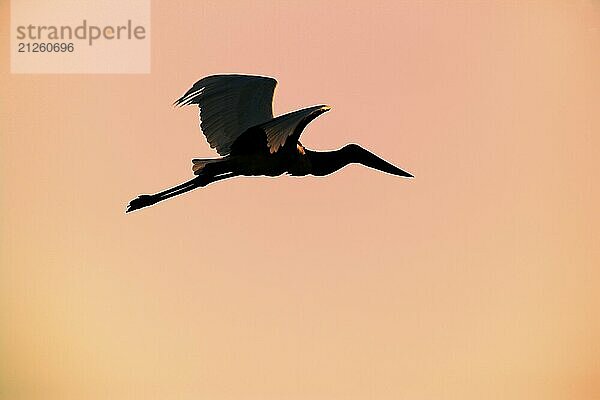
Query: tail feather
[{"x": 198, "y": 164}]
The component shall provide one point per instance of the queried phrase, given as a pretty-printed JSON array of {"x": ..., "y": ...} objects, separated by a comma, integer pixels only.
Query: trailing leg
[{"x": 146, "y": 200}]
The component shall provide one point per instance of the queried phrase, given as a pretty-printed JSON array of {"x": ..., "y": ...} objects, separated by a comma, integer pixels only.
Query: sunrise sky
[{"x": 478, "y": 279}]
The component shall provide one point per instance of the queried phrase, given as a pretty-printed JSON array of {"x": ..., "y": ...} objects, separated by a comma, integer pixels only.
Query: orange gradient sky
[{"x": 479, "y": 279}]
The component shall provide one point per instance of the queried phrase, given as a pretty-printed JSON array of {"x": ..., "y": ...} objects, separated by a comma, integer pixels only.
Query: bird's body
[{"x": 237, "y": 120}]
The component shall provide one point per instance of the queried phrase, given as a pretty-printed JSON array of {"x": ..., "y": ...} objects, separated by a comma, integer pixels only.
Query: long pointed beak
[{"x": 369, "y": 159}]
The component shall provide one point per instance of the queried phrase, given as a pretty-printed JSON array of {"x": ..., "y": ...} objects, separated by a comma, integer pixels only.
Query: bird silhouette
[{"x": 236, "y": 116}]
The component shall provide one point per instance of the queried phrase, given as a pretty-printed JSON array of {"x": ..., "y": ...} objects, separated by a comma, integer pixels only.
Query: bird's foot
[{"x": 143, "y": 200}]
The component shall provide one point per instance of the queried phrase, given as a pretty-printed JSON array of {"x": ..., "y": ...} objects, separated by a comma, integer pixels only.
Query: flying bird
[{"x": 236, "y": 116}]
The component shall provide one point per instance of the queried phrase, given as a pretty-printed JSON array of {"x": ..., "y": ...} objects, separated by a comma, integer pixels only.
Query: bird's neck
[{"x": 326, "y": 162}]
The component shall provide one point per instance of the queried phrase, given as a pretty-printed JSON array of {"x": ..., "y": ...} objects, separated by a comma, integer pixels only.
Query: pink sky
[{"x": 478, "y": 279}]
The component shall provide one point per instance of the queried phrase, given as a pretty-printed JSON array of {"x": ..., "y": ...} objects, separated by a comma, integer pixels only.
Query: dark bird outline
[{"x": 236, "y": 116}]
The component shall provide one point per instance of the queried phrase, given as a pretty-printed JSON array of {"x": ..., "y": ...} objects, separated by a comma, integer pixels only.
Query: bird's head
[{"x": 357, "y": 154}]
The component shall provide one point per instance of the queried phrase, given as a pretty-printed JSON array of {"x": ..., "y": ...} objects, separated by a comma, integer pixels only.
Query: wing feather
[
  {"x": 229, "y": 105},
  {"x": 290, "y": 125}
]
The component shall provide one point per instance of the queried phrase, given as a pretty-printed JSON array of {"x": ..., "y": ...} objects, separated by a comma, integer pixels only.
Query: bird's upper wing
[
  {"x": 230, "y": 104},
  {"x": 279, "y": 129}
]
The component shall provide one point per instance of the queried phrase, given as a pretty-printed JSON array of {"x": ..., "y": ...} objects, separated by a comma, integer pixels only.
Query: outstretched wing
[
  {"x": 230, "y": 104},
  {"x": 290, "y": 126}
]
